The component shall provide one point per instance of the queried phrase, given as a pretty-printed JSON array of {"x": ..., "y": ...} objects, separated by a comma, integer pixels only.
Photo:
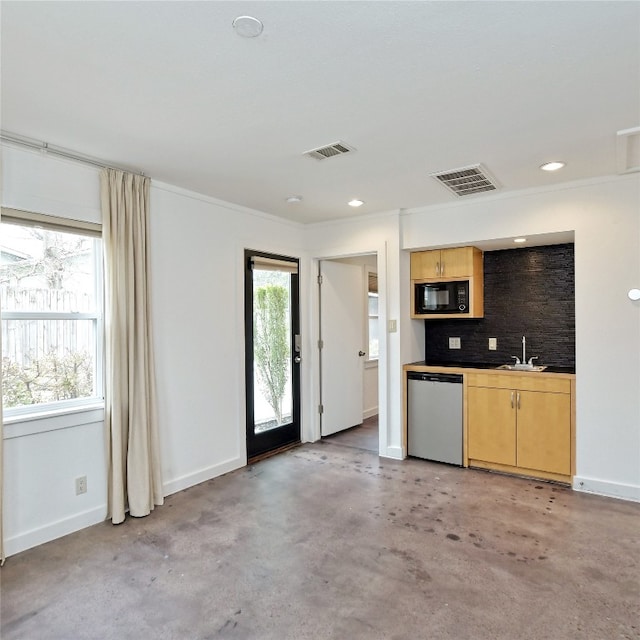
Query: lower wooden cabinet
[
  {"x": 520, "y": 424},
  {"x": 492, "y": 425},
  {"x": 543, "y": 426}
]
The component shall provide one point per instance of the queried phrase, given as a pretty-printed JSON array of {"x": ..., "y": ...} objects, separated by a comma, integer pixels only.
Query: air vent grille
[
  {"x": 331, "y": 150},
  {"x": 466, "y": 180},
  {"x": 628, "y": 150}
]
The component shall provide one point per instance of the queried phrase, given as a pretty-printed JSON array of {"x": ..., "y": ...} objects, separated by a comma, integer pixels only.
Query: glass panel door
[{"x": 273, "y": 352}]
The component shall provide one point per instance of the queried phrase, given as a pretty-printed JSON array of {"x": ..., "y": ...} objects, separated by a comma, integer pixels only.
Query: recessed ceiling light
[
  {"x": 355, "y": 203},
  {"x": 248, "y": 26},
  {"x": 552, "y": 166},
  {"x": 519, "y": 240},
  {"x": 294, "y": 199}
]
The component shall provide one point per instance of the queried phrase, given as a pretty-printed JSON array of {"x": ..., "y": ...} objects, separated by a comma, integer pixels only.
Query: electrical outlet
[
  {"x": 81, "y": 485},
  {"x": 454, "y": 343},
  {"x": 493, "y": 344}
]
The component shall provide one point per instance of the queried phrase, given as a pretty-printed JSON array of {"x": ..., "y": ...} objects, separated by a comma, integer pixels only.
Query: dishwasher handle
[{"x": 455, "y": 378}]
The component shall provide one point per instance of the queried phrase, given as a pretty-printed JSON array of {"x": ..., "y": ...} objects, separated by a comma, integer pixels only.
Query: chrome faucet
[{"x": 524, "y": 354}]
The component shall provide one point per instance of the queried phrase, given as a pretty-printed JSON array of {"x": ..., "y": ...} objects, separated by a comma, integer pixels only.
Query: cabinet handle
[
  {"x": 437, "y": 268},
  {"x": 518, "y": 399},
  {"x": 442, "y": 268},
  {"x": 512, "y": 399}
]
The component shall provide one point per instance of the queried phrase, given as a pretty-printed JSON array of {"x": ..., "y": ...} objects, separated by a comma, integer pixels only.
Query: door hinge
[
  {"x": 320, "y": 409},
  {"x": 320, "y": 344},
  {"x": 319, "y": 279}
]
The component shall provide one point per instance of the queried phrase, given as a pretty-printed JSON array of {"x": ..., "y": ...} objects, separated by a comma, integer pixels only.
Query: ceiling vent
[
  {"x": 628, "y": 150},
  {"x": 334, "y": 149},
  {"x": 466, "y": 180}
]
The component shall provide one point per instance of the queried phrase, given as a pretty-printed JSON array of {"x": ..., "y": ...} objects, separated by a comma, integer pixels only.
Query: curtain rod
[{"x": 45, "y": 147}]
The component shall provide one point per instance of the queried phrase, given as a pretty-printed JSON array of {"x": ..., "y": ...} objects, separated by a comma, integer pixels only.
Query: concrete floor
[
  {"x": 364, "y": 436},
  {"x": 329, "y": 541}
]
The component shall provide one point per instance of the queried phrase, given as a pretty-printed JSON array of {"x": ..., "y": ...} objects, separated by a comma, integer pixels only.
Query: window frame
[
  {"x": 71, "y": 405},
  {"x": 369, "y": 271}
]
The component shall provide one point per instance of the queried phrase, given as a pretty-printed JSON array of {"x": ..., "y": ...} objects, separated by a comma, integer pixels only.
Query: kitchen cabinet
[
  {"x": 544, "y": 432},
  {"x": 448, "y": 266},
  {"x": 491, "y": 419},
  {"x": 460, "y": 262},
  {"x": 521, "y": 424}
]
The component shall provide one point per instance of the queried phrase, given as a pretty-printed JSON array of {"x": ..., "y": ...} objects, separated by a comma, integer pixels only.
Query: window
[
  {"x": 372, "y": 302},
  {"x": 51, "y": 288}
]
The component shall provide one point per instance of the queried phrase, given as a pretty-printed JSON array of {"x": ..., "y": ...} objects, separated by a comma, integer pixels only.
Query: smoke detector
[
  {"x": 329, "y": 151},
  {"x": 247, "y": 26},
  {"x": 466, "y": 180}
]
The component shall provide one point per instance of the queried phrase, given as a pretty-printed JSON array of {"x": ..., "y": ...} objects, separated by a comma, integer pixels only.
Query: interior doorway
[
  {"x": 272, "y": 352},
  {"x": 349, "y": 350}
]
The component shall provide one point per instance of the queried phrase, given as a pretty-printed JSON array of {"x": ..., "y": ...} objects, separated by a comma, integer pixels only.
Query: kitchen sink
[{"x": 522, "y": 367}]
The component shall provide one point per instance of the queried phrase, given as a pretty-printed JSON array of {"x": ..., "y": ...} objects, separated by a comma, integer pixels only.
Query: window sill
[{"x": 18, "y": 426}]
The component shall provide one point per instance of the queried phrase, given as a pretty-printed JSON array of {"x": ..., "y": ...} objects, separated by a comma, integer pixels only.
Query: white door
[{"x": 343, "y": 350}]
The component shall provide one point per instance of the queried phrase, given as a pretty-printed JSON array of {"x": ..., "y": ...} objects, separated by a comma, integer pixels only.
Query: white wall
[
  {"x": 42, "y": 458},
  {"x": 605, "y": 216},
  {"x": 34, "y": 181},
  {"x": 370, "y": 390},
  {"x": 197, "y": 293},
  {"x": 379, "y": 235},
  {"x": 198, "y": 310}
]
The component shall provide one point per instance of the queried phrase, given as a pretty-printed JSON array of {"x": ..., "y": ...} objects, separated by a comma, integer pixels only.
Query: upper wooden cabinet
[
  {"x": 448, "y": 266},
  {"x": 461, "y": 262}
]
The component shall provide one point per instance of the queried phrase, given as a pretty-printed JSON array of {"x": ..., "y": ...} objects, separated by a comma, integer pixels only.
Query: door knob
[
  {"x": 362, "y": 353},
  {"x": 297, "y": 359}
]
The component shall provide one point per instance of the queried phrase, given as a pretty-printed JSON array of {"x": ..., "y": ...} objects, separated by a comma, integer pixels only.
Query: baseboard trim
[
  {"x": 54, "y": 530},
  {"x": 202, "y": 475},
  {"x": 395, "y": 453},
  {"x": 369, "y": 413},
  {"x": 76, "y": 522},
  {"x": 605, "y": 488}
]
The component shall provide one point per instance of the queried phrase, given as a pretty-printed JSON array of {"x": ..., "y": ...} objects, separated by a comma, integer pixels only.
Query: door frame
[
  {"x": 277, "y": 438},
  {"x": 383, "y": 359}
]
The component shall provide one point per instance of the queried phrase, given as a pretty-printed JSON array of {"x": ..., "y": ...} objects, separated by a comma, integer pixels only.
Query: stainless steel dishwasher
[{"x": 434, "y": 416}]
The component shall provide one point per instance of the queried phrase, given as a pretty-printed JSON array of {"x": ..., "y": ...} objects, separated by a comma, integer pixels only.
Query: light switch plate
[
  {"x": 493, "y": 344},
  {"x": 393, "y": 326},
  {"x": 454, "y": 343}
]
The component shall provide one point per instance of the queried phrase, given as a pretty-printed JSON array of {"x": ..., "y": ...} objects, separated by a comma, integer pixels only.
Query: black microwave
[{"x": 442, "y": 297}]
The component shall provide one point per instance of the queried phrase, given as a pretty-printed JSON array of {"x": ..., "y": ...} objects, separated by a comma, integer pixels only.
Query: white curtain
[{"x": 135, "y": 479}]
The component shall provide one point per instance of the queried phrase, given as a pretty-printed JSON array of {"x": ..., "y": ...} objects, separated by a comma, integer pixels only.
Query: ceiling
[{"x": 171, "y": 89}]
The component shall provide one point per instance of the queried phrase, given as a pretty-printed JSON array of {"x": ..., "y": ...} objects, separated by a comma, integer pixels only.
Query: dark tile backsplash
[{"x": 527, "y": 292}]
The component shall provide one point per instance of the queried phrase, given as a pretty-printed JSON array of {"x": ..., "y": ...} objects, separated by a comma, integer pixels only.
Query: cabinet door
[
  {"x": 544, "y": 431},
  {"x": 492, "y": 425},
  {"x": 425, "y": 264},
  {"x": 456, "y": 263}
]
